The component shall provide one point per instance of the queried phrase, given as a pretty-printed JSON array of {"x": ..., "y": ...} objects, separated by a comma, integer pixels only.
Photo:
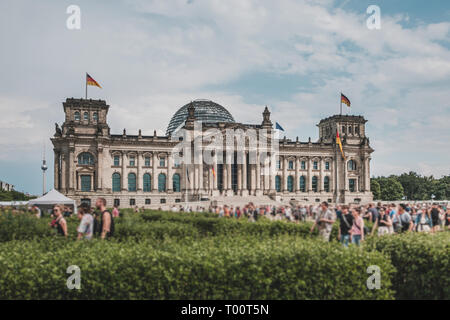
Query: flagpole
[
  {"x": 340, "y": 98},
  {"x": 85, "y": 80}
]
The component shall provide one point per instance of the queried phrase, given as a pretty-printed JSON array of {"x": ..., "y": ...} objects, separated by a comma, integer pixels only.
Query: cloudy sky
[{"x": 152, "y": 57}]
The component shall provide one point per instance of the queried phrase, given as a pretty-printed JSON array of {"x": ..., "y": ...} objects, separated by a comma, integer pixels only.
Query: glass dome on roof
[{"x": 205, "y": 111}]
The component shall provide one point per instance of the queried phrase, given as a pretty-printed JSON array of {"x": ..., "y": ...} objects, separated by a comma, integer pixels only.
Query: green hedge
[
  {"x": 22, "y": 226},
  {"x": 240, "y": 267},
  {"x": 422, "y": 262}
]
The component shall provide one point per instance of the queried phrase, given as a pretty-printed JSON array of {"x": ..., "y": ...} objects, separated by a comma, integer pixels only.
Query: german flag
[
  {"x": 91, "y": 82},
  {"x": 338, "y": 142},
  {"x": 345, "y": 100},
  {"x": 213, "y": 171}
]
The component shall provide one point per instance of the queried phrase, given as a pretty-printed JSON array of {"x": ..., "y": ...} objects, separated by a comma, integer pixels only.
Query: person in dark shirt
[
  {"x": 345, "y": 224},
  {"x": 435, "y": 218}
]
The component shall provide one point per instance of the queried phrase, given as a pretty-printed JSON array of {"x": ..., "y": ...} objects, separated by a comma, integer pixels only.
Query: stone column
[
  {"x": 224, "y": 177},
  {"x": 321, "y": 175},
  {"x": 154, "y": 172},
  {"x": 72, "y": 169},
  {"x": 239, "y": 175},
  {"x": 214, "y": 184},
  {"x": 63, "y": 172},
  {"x": 99, "y": 168},
  {"x": 244, "y": 175},
  {"x": 367, "y": 174},
  {"x": 297, "y": 175},
  {"x": 285, "y": 173},
  {"x": 56, "y": 170},
  {"x": 122, "y": 172},
  {"x": 309, "y": 180},
  {"x": 272, "y": 170},
  {"x": 139, "y": 179},
  {"x": 200, "y": 185},
  {"x": 169, "y": 172},
  {"x": 252, "y": 178},
  {"x": 258, "y": 174}
]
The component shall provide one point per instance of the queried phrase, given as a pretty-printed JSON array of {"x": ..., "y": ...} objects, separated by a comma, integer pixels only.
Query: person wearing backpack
[
  {"x": 423, "y": 222},
  {"x": 106, "y": 219},
  {"x": 383, "y": 223},
  {"x": 357, "y": 230},
  {"x": 402, "y": 220},
  {"x": 345, "y": 225}
]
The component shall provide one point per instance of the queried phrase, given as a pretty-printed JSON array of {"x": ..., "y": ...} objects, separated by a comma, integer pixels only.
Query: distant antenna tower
[{"x": 44, "y": 168}]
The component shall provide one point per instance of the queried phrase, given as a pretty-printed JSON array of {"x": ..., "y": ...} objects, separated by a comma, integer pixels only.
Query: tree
[
  {"x": 376, "y": 189},
  {"x": 391, "y": 189}
]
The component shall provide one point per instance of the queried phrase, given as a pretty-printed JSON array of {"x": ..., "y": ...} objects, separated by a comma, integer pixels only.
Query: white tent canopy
[{"x": 54, "y": 197}]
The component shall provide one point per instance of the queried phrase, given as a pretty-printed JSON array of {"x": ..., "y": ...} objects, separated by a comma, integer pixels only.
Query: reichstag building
[{"x": 136, "y": 170}]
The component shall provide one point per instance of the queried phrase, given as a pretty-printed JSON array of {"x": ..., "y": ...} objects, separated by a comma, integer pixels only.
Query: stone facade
[{"x": 136, "y": 170}]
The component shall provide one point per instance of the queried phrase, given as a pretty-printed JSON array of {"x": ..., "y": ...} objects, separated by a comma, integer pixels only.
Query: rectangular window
[
  {"x": 162, "y": 162},
  {"x": 147, "y": 161},
  {"x": 132, "y": 161},
  {"x": 291, "y": 165},
  {"x": 162, "y": 200},
  {"x": 147, "y": 201},
  {"x": 177, "y": 200},
  {"x": 176, "y": 163},
  {"x": 303, "y": 165},
  {"x": 116, "y": 160},
  {"x": 278, "y": 164},
  {"x": 327, "y": 165},
  {"x": 117, "y": 202},
  {"x": 132, "y": 202},
  {"x": 85, "y": 183},
  {"x": 315, "y": 165},
  {"x": 352, "y": 185},
  {"x": 86, "y": 201}
]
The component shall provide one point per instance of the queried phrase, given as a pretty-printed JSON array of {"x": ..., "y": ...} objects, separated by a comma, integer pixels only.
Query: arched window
[
  {"x": 350, "y": 130},
  {"x": 116, "y": 182},
  {"x": 85, "y": 158},
  {"x": 86, "y": 116},
  {"x": 77, "y": 116},
  {"x": 278, "y": 183},
  {"x": 161, "y": 182},
  {"x": 147, "y": 187},
  {"x": 351, "y": 165},
  {"x": 302, "y": 184},
  {"x": 176, "y": 182},
  {"x": 326, "y": 184},
  {"x": 290, "y": 183},
  {"x": 314, "y": 184},
  {"x": 132, "y": 182},
  {"x": 95, "y": 116}
]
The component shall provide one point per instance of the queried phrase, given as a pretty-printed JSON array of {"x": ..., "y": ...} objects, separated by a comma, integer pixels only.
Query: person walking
[
  {"x": 86, "y": 228},
  {"x": 402, "y": 220},
  {"x": 59, "y": 223},
  {"x": 423, "y": 221},
  {"x": 106, "y": 219},
  {"x": 357, "y": 231},
  {"x": 345, "y": 225},
  {"x": 115, "y": 212},
  {"x": 435, "y": 219},
  {"x": 324, "y": 221},
  {"x": 383, "y": 223}
]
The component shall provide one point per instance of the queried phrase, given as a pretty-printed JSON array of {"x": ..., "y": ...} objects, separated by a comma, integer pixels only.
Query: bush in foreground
[
  {"x": 220, "y": 268},
  {"x": 422, "y": 262}
]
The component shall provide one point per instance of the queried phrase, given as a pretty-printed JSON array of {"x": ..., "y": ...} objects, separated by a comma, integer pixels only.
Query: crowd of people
[
  {"x": 353, "y": 227},
  {"x": 353, "y": 219},
  {"x": 92, "y": 222}
]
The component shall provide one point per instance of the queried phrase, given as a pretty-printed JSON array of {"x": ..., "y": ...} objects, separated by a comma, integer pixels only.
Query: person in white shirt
[{"x": 86, "y": 228}]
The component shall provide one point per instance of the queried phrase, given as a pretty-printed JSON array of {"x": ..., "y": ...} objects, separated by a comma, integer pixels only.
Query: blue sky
[{"x": 151, "y": 57}]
